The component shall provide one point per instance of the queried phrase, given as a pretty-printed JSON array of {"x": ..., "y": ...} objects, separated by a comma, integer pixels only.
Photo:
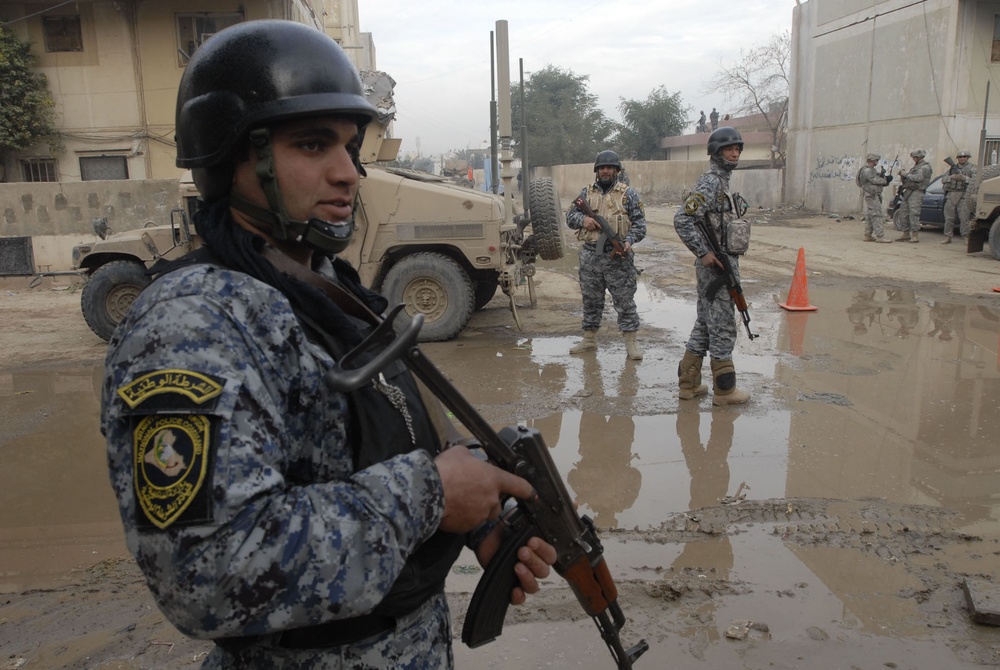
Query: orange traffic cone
[{"x": 798, "y": 295}]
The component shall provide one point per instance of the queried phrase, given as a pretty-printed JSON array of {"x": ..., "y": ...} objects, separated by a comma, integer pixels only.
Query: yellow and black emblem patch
[
  {"x": 194, "y": 386},
  {"x": 693, "y": 203},
  {"x": 172, "y": 462}
]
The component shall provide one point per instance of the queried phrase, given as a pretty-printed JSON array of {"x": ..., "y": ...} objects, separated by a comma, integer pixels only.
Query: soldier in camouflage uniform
[
  {"x": 956, "y": 204},
  {"x": 915, "y": 182},
  {"x": 295, "y": 525},
  {"x": 714, "y": 329},
  {"x": 871, "y": 182},
  {"x": 621, "y": 206}
]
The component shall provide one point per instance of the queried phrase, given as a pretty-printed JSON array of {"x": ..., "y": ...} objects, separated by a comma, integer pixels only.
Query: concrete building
[
  {"x": 113, "y": 68},
  {"x": 887, "y": 76}
]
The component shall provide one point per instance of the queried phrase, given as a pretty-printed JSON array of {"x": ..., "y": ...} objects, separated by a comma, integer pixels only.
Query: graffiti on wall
[{"x": 834, "y": 167}]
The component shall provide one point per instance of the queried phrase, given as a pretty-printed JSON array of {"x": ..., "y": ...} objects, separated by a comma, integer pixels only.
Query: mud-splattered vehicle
[
  {"x": 984, "y": 198},
  {"x": 441, "y": 249}
]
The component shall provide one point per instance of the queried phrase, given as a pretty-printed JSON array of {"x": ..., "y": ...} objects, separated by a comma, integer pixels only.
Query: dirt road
[{"x": 801, "y": 570}]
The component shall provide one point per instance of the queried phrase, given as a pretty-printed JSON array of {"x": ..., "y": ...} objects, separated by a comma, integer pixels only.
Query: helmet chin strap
[{"x": 323, "y": 236}]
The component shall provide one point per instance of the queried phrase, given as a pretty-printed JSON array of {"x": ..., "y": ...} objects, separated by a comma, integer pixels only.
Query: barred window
[
  {"x": 194, "y": 29},
  {"x": 62, "y": 33},
  {"x": 995, "y": 52},
  {"x": 95, "y": 168},
  {"x": 39, "y": 169}
]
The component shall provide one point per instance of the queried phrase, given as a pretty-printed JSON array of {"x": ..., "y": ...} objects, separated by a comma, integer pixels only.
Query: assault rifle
[
  {"x": 953, "y": 167},
  {"x": 607, "y": 234},
  {"x": 549, "y": 514},
  {"x": 728, "y": 276}
]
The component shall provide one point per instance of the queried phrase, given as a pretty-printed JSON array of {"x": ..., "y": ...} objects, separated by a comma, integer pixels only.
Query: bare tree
[{"x": 757, "y": 83}]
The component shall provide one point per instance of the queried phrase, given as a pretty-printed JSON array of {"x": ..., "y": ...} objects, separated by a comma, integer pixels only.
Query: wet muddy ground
[{"x": 830, "y": 523}]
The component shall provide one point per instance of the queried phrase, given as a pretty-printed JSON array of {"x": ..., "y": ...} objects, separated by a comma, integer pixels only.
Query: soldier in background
[
  {"x": 599, "y": 272},
  {"x": 871, "y": 182},
  {"x": 956, "y": 204},
  {"x": 702, "y": 126},
  {"x": 714, "y": 118},
  {"x": 915, "y": 182},
  {"x": 714, "y": 331}
]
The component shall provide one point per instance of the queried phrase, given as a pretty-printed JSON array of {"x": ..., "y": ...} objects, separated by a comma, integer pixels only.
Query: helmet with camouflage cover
[
  {"x": 918, "y": 153},
  {"x": 245, "y": 79},
  {"x": 873, "y": 157},
  {"x": 964, "y": 153}
]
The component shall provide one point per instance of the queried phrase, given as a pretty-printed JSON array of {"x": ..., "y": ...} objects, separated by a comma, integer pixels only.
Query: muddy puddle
[{"x": 878, "y": 395}]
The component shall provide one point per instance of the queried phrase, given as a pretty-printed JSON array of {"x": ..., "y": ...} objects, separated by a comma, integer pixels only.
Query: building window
[
  {"x": 995, "y": 51},
  {"x": 194, "y": 29},
  {"x": 62, "y": 33},
  {"x": 39, "y": 169},
  {"x": 94, "y": 168}
]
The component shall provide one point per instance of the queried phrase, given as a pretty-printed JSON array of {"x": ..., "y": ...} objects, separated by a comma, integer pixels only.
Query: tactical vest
[{"x": 611, "y": 206}]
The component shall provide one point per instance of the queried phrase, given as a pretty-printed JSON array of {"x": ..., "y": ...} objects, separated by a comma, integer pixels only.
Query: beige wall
[
  {"x": 667, "y": 181},
  {"x": 887, "y": 77}
]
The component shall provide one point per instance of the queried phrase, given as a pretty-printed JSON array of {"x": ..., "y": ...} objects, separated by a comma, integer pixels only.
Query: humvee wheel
[
  {"x": 435, "y": 286},
  {"x": 109, "y": 293},
  {"x": 995, "y": 239},
  {"x": 546, "y": 218}
]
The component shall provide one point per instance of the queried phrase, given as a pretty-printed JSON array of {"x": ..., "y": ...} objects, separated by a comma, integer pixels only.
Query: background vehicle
[
  {"x": 441, "y": 249},
  {"x": 985, "y": 224},
  {"x": 931, "y": 208}
]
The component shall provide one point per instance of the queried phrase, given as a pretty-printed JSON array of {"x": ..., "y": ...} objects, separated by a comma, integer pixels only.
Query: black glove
[{"x": 888, "y": 178}]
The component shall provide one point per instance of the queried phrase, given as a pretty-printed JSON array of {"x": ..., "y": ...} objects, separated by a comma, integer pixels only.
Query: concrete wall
[
  {"x": 883, "y": 76},
  {"x": 666, "y": 181},
  {"x": 58, "y": 216}
]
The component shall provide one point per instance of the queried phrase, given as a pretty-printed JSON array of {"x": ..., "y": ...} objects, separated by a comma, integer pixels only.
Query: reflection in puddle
[
  {"x": 57, "y": 512},
  {"x": 878, "y": 394}
]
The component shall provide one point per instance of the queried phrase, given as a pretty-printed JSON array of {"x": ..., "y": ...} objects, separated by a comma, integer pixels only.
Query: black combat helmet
[
  {"x": 607, "y": 157},
  {"x": 726, "y": 136},
  {"x": 252, "y": 74},
  {"x": 723, "y": 137}
]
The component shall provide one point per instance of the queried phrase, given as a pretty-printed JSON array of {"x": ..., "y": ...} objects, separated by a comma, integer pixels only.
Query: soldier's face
[
  {"x": 314, "y": 166},
  {"x": 732, "y": 153},
  {"x": 962, "y": 160},
  {"x": 606, "y": 174}
]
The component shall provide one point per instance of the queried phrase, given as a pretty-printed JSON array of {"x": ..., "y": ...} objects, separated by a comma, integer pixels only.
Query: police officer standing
[
  {"x": 599, "y": 271},
  {"x": 291, "y": 523},
  {"x": 915, "y": 182},
  {"x": 956, "y": 204},
  {"x": 871, "y": 182},
  {"x": 714, "y": 330}
]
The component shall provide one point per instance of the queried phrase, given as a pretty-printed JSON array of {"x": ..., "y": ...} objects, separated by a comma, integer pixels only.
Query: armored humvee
[{"x": 441, "y": 249}]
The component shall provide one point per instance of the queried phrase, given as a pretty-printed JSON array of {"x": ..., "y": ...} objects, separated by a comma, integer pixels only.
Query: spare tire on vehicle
[{"x": 546, "y": 218}]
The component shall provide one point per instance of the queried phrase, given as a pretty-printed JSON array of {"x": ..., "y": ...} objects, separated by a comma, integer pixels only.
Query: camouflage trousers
[
  {"x": 600, "y": 273},
  {"x": 873, "y": 215},
  {"x": 422, "y": 639},
  {"x": 956, "y": 206},
  {"x": 715, "y": 328},
  {"x": 909, "y": 209}
]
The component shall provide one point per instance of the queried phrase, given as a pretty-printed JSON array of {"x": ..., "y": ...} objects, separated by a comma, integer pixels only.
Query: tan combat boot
[
  {"x": 631, "y": 346},
  {"x": 588, "y": 343},
  {"x": 689, "y": 376},
  {"x": 905, "y": 237},
  {"x": 914, "y": 236},
  {"x": 724, "y": 383}
]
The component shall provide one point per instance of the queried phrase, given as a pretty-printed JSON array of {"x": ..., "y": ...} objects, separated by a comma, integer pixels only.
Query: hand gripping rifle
[
  {"x": 549, "y": 514},
  {"x": 607, "y": 234},
  {"x": 728, "y": 275}
]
